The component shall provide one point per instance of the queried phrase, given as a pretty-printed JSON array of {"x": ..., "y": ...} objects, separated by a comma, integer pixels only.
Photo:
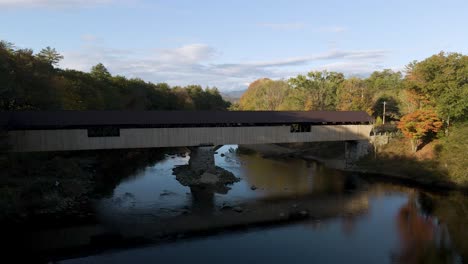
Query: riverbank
[
  {"x": 52, "y": 189},
  {"x": 420, "y": 172}
]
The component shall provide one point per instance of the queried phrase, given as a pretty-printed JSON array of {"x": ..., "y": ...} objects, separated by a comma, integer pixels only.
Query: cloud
[
  {"x": 355, "y": 68},
  {"x": 330, "y": 55},
  {"x": 282, "y": 26},
  {"x": 187, "y": 54},
  {"x": 55, "y": 3},
  {"x": 201, "y": 64}
]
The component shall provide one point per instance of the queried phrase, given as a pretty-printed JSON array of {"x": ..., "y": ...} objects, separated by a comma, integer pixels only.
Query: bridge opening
[{"x": 299, "y": 128}]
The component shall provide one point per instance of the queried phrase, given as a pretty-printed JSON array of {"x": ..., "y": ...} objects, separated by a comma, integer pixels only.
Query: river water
[{"x": 281, "y": 210}]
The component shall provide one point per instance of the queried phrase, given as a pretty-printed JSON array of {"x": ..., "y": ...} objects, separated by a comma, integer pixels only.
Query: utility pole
[{"x": 383, "y": 116}]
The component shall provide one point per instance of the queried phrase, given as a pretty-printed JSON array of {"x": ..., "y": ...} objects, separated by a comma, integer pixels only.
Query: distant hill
[{"x": 233, "y": 96}]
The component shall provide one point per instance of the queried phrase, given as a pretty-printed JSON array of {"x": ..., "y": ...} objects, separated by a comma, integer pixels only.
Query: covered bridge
[{"x": 86, "y": 130}]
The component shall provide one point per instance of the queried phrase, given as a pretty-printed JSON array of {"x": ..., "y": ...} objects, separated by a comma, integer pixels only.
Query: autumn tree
[
  {"x": 441, "y": 80},
  {"x": 264, "y": 94},
  {"x": 412, "y": 100},
  {"x": 419, "y": 126},
  {"x": 353, "y": 94}
]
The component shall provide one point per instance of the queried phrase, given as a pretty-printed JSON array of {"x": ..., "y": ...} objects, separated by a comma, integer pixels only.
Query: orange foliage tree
[{"x": 419, "y": 125}]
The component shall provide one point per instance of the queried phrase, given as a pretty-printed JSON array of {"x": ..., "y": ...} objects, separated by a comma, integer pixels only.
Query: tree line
[
  {"x": 30, "y": 81},
  {"x": 430, "y": 96}
]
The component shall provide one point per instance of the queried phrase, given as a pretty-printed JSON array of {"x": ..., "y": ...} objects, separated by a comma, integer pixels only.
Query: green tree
[
  {"x": 386, "y": 82},
  {"x": 50, "y": 56},
  {"x": 319, "y": 88},
  {"x": 29, "y": 81},
  {"x": 442, "y": 80},
  {"x": 392, "y": 109},
  {"x": 7, "y": 46},
  {"x": 100, "y": 71}
]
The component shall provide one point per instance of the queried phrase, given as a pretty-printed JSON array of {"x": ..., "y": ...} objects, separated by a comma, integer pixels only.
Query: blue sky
[{"x": 229, "y": 44}]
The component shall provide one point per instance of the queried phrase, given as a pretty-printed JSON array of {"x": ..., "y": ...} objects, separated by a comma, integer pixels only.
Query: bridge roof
[{"x": 83, "y": 119}]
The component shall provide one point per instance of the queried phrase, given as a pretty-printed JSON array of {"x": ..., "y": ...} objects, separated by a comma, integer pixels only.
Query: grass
[
  {"x": 443, "y": 160},
  {"x": 452, "y": 153}
]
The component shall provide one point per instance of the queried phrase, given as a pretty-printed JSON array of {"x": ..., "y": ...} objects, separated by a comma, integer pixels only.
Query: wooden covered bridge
[{"x": 30, "y": 131}]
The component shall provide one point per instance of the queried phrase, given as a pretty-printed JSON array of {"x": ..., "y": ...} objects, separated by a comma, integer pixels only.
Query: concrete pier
[
  {"x": 201, "y": 158},
  {"x": 355, "y": 149}
]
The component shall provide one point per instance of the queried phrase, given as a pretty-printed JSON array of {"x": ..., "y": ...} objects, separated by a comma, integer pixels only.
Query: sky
[{"x": 229, "y": 44}]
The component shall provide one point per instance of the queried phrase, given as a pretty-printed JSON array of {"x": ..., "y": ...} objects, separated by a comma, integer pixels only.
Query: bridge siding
[{"x": 77, "y": 139}]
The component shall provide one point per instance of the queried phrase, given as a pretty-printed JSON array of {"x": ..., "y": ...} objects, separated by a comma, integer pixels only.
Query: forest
[
  {"x": 427, "y": 104},
  {"x": 31, "y": 81}
]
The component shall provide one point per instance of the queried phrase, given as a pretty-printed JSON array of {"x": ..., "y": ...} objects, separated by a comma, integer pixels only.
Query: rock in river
[{"x": 238, "y": 209}]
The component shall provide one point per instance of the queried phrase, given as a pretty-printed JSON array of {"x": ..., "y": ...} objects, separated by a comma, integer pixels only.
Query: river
[{"x": 281, "y": 210}]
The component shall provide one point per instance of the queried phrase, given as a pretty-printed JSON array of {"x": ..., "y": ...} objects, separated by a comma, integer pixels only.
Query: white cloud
[
  {"x": 54, "y": 3},
  {"x": 359, "y": 68},
  {"x": 187, "y": 54},
  {"x": 193, "y": 64},
  {"x": 331, "y": 55}
]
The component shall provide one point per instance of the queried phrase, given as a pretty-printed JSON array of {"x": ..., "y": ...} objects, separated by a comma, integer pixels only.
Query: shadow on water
[{"x": 278, "y": 210}]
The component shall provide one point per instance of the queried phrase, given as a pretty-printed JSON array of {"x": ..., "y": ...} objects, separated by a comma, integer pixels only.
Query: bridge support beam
[
  {"x": 354, "y": 150},
  {"x": 201, "y": 159}
]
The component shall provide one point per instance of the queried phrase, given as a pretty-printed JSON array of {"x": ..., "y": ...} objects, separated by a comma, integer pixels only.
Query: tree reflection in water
[{"x": 423, "y": 239}]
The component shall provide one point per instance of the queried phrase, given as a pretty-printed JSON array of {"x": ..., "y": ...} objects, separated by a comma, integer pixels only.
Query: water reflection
[
  {"x": 158, "y": 190},
  {"x": 347, "y": 220},
  {"x": 291, "y": 176},
  {"x": 203, "y": 200},
  {"x": 423, "y": 239},
  {"x": 369, "y": 238}
]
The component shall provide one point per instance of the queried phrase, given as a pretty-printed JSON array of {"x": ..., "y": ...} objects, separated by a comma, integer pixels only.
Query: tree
[
  {"x": 385, "y": 82},
  {"x": 6, "y": 45},
  {"x": 320, "y": 89},
  {"x": 100, "y": 71},
  {"x": 264, "y": 94},
  {"x": 412, "y": 101},
  {"x": 420, "y": 125},
  {"x": 392, "y": 110},
  {"x": 30, "y": 82},
  {"x": 442, "y": 80},
  {"x": 50, "y": 56},
  {"x": 353, "y": 94}
]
